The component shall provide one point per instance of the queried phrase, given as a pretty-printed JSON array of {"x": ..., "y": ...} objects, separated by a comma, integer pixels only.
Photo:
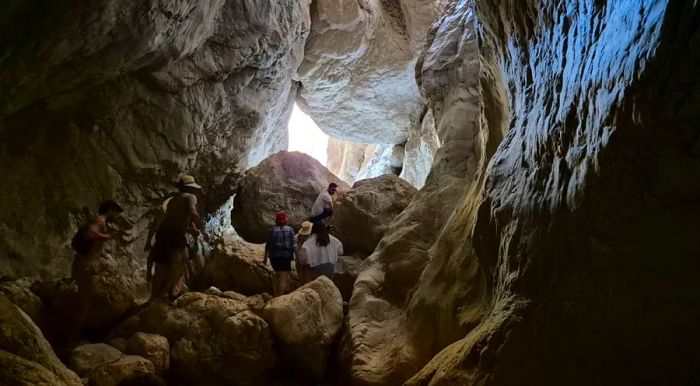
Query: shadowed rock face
[
  {"x": 114, "y": 99},
  {"x": 571, "y": 257}
]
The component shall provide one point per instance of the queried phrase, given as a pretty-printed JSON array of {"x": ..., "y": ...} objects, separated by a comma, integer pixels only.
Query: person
[
  {"x": 170, "y": 251},
  {"x": 322, "y": 208},
  {"x": 322, "y": 251},
  {"x": 280, "y": 249},
  {"x": 302, "y": 261},
  {"x": 88, "y": 244}
]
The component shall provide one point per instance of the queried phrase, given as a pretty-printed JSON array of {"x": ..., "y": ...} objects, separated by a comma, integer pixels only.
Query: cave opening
[{"x": 306, "y": 137}]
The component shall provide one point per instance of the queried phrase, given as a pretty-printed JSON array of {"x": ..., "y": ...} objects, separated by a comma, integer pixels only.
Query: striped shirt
[{"x": 281, "y": 243}]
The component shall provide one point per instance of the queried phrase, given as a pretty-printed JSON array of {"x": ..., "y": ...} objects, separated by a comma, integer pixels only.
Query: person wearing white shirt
[
  {"x": 321, "y": 251},
  {"x": 323, "y": 206}
]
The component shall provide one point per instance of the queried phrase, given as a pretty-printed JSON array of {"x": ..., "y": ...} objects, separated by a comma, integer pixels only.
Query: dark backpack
[{"x": 80, "y": 242}]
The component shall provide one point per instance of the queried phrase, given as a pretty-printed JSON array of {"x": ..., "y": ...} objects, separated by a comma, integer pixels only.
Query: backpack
[{"x": 80, "y": 243}]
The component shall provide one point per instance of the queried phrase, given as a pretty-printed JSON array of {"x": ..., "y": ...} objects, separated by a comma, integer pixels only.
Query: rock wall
[
  {"x": 115, "y": 99},
  {"x": 570, "y": 259},
  {"x": 389, "y": 339},
  {"x": 357, "y": 78}
]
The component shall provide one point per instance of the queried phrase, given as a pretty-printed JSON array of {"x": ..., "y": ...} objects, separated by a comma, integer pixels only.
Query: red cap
[{"x": 281, "y": 218}]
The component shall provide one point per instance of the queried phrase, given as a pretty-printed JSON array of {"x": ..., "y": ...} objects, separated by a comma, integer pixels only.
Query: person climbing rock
[
  {"x": 322, "y": 208},
  {"x": 170, "y": 251},
  {"x": 302, "y": 262},
  {"x": 88, "y": 244},
  {"x": 322, "y": 251},
  {"x": 280, "y": 249}
]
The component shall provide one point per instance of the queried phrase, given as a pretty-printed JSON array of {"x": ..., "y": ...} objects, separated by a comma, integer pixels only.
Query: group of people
[
  {"x": 177, "y": 226},
  {"x": 315, "y": 249}
]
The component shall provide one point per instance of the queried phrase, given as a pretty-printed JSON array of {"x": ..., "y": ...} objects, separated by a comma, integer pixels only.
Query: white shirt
[
  {"x": 323, "y": 200},
  {"x": 317, "y": 255}
]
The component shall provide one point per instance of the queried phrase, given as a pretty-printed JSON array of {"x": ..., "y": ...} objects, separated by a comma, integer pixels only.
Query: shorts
[{"x": 281, "y": 264}]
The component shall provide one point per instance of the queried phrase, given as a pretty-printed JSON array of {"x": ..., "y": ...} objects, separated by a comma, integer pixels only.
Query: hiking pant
[{"x": 327, "y": 213}]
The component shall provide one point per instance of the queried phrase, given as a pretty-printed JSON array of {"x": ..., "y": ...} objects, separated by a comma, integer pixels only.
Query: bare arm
[
  {"x": 95, "y": 232},
  {"x": 153, "y": 228}
]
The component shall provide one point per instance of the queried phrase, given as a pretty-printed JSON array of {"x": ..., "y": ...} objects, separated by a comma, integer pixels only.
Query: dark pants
[{"x": 327, "y": 212}]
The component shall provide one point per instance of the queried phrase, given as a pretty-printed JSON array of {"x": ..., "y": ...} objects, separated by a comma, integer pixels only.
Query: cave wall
[
  {"x": 571, "y": 258},
  {"x": 115, "y": 99}
]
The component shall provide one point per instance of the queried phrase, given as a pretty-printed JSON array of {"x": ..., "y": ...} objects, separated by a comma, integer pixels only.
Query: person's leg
[
  {"x": 284, "y": 282},
  {"x": 276, "y": 284}
]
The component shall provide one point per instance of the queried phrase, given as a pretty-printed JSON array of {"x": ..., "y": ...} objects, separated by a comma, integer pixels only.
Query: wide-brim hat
[
  {"x": 187, "y": 180},
  {"x": 306, "y": 227}
]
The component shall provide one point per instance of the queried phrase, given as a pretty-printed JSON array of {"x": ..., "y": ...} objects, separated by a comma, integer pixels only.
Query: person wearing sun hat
[
  {"x": 170, "y": 252},
  {"x": 280, "y": 249},
  {"x": 302, "y": 261}
]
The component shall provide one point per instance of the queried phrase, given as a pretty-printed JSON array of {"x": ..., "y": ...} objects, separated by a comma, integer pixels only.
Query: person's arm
[
  {"x": 195, "y": 220},
  {"x": 294, "y": 244},
  {"x": 153, "y": 228},
  {"x": 149, "y": 267},
  {"x": 95, "y": 232},
  {"x": 267, "y": 249},
  {"x": 340, "y": 248}
]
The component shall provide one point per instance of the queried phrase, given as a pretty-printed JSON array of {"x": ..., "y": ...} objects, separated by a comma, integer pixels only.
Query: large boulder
[
  {"x": 214, "y": 339},
  {"x": 153, "y": 347},
  {"x": 123, "y": 370},
  {"x": 86, "y": 357},
  {"x": 21, "y": 337},
  {"x": 235, "y": 267},
  {"x": 287, "y": 181},
  {"x": 363, "y": 214},
  {"x": 305, "y": 323},
  {"x": 17, "y": 371},
  {"x": 116, "y": 99},
  {"x": 21, "y": 294}
]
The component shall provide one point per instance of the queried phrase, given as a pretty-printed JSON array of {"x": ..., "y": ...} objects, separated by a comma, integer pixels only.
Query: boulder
[
  {"x": 363, "y": 214},
  {"x": 86, "y": 357},
  {"x": 17, "y": 371},
  {"x": 21, "y": 337},
  {"x": 214, "y": 339},
  {"x": 236, "y": 267},
  {"x": 153, "y": 347},
  {"x": 305, "y": 323},
  {"x": 122, "y": 370},
  {"x": 112, "y": 297},
  {"x": 20, "y": 293},
  {"x": 346, "y": 270},
  {"x": 287, "y": 181}
]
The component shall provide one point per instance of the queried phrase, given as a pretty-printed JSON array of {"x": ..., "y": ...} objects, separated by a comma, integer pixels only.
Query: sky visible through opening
[{"x": 306, "y": 137}]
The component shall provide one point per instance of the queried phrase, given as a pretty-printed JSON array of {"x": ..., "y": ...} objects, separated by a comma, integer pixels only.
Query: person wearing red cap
[{"x": 279, "y": 249}]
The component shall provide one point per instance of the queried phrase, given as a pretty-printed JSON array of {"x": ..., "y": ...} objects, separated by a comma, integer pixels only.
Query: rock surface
[
  {"x": 153, "y": 347},
  {"x": 17, "y": 371},
  {"x": 288, "y": 181},
  {"x": 214, "y": 339},
  {"x": 85, "y": 358},
  {"x": 420, "y": 150},
  {"x": 363, "y": 213},
  {"x": 115, "y": 99},
  {"x": 346, "y": 270},
  {"x": 20, "y": 293},
  {"x": 235, "y": 267},
  {"x": 305, "y": 324},
  {"x": 357, "y": 77},
  {"x": 25, "y": 348}
]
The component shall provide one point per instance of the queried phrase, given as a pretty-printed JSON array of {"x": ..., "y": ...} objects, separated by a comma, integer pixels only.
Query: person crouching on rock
[
  {"x": 279, "y": 249},
  {"x": 322, "y": 251},
  {"x": 322, "y": 208},
  {"x": 170, "y": 251},
  {"x": 88, "y": 244},
  {"x": 303, "y": 268}
]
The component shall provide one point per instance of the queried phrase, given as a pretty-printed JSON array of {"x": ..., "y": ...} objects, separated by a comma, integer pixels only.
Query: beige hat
[
  {"x": 187, "y": 180},
  {"x": 306, "y": 228}
]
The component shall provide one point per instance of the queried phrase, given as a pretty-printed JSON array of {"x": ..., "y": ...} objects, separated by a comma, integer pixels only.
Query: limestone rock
[
  {"x": 288, "y": 181},
  {"x": 17, "y": 371},
  {"x": 235, "y": 267},
  {"x": 21, "y": 337},
  {"x": 357, "y": 77},
  {"x": 363, "y": 213},
  {"x": 420, "y": 150},
  {"x": 214, "y": 339},
  {"x": 112, "y": 296},
  {"x": 123, "y": 369},
  {"x": 153, "y": 347},
  {"x": 305, "y": 324},
  {"x": 346, "y": 271},
  {"x": 116, "y": 99},
  {"x": 20, "y": 293},
  {"x": 87, "y": 357},
  {"x": 352, "y": 161}
]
